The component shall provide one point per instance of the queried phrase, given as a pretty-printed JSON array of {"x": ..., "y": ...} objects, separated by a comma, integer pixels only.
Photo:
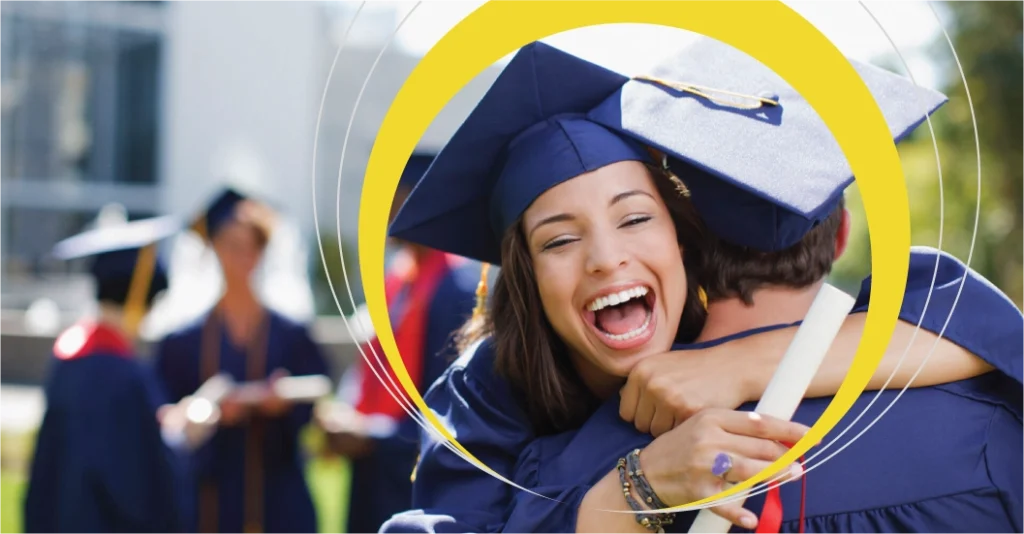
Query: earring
[
  {"x": 481, "y": 293},
  {"x": 680, "y": 186}
]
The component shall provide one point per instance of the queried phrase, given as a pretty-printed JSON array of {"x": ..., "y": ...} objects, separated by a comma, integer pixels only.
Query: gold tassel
[
  {"x": 703, "y": 296},
  {"x": 708, "y": 93},
  {"x": 662, "y": 159},
  {"x": 142, "y": 277},
  {"x": 481, "y": 293}
]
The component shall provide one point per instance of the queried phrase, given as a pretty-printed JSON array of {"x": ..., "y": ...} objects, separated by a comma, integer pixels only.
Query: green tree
[
  {"x": 987, "y": 37},
  {"x": 336, "y": 258}
]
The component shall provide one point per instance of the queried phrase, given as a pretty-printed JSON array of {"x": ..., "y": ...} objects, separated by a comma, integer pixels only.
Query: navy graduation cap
[
  {"x": 124, "y": 260},
  {"x": 527, "y": 134},
  {"x": 415, "y": 168},
  {"x": 761, "y": 166},
  {"x": 219, "y": 211},
  {"x": 223, "y": 209}
]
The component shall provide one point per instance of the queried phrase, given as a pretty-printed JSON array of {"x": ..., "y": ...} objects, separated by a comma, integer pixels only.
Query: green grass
[
  {"x": 12, "y": 487},
  {"x": 328, "y": 481}
]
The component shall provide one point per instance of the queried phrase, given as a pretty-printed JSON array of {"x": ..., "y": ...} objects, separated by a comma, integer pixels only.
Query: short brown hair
[
  {"x": 732, "y": 271},
  {"x": 528, "y": 351}
]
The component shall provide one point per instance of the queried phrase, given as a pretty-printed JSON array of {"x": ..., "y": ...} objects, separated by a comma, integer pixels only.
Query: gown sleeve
[
  {"x": 479, "y": 409},
  {"x": 961, "y": 304},
  {"x": 305, "y": 357},
  {"x": 561, "y": 469},
  {"x": 547, "y": 507},
  {"x": 176, "y": 363}
]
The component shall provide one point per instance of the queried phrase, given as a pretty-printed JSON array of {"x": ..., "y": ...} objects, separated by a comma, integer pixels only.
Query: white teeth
[
  {"x": 632, "y": 333},
  {"x": 617, "y": 298}
]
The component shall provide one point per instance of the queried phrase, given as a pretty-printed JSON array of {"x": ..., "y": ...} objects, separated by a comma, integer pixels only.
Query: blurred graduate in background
[
  {"x": 100, "y": 464},
  {"x": 430, "y": 294},
  {"x": 249, "y": 476}
]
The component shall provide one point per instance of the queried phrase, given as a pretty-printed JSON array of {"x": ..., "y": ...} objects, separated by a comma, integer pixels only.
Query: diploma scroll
[
  {"x": 305, "y": 389},
  {"x": 796, "y": 370},
  {"x": 193, "y": 421}
]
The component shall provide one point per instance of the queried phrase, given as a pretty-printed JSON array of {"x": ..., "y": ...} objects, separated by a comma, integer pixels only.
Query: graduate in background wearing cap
[
  {"x": 945, "y": 458},
  {"x": 250, "y": 474},
  {"x": 527, "y": 136},
  {"x": 100, "y": 464},
  {"x": 430, "y": 295}
]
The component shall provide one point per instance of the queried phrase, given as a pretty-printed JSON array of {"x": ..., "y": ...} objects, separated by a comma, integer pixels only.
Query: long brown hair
[{"x": 528, "y": 352}]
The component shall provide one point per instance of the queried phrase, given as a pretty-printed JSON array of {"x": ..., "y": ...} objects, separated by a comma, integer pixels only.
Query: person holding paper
[
  {"x": 100, "y": 464},
  {"x": 574, "y": 312},
  {"x": 430, "y": 295},
  {"x": 250, "y": 475},
  {"x": 945, "y": 458}
]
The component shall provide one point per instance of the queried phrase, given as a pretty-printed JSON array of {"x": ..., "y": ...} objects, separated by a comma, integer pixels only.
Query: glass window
[{"x": 81, "y": 99}]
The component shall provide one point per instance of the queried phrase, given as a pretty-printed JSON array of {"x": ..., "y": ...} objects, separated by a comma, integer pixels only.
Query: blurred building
[{"x": 153, "y": 104}]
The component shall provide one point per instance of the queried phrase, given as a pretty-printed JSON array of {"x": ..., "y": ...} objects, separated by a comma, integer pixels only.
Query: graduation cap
[
  {"x": 221, "y": 210},
  {"x": 527, "y": 134},
  {"x": 761, "y": 166},
  {"x": 415, "y": 168},
  {"x": 124, "y": 262}
]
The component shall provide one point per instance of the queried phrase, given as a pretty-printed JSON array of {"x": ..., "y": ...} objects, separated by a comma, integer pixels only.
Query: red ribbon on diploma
[{"x": 771, "y": 514}]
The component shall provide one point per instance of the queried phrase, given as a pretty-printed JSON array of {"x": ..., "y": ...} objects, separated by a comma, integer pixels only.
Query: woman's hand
[
  {"x": 345, "y": 430},
  {"x": 681, "y": 464},
  {"x": 665, "y": 390},
  {"x": 271, "y": 405},
  {"x": 233, "y": 412}
]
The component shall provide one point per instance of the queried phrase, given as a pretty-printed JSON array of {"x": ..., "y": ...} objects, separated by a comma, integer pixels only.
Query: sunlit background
[{"x": 136, "y": 109}]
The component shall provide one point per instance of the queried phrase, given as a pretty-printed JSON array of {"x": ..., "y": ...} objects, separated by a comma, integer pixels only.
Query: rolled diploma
[
  {"x": 201, "y": 408},
  {"x": 796, "y": 370},
  {"x": 199, "y": 414},
  {"x": 215, "y": 389},
  {"x": 304, "y": 389}
]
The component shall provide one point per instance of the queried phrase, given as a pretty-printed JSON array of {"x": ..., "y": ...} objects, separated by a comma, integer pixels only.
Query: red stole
[
  {"x": 409, "y": 288},
  {"x": 89, "y": 337}
]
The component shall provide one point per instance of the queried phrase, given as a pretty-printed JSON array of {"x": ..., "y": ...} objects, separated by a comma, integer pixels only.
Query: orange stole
[{"x": 256, "y": 363}]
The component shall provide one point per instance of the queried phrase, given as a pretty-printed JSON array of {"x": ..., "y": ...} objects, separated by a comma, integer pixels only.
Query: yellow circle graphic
[{"x": 770, "y": 32}]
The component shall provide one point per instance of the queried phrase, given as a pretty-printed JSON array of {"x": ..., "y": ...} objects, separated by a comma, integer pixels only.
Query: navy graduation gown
[
  {"x": 485, "y": 414},
  {"x": 381, "y": 481},
  {"x": 481, "y": 411},
  {"x": 938, "y": 461},
  {"x": 942, "y": 459},
  {"x": 100, "y": 464},
  {"x": 229, "y": 479}
]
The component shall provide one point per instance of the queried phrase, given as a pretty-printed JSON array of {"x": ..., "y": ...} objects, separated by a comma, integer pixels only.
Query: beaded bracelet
[
  {"x": 643, "y": 487},
  {"x": 651, "y": 522}
]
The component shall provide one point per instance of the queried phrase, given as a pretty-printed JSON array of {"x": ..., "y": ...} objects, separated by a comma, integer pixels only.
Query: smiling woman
[
  {"x": 591, "y": 283},
  {"x": 594, "y": 242}
]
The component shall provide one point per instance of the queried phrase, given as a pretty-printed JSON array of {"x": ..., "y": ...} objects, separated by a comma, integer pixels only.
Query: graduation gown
[
  {"x": 942, "y": 459},
  {"x": 100, "y": 464},
  {"x": 251, "y": 477},
  {"x": 381, "y": 481},
  {"x": 482, "y": 412}
]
